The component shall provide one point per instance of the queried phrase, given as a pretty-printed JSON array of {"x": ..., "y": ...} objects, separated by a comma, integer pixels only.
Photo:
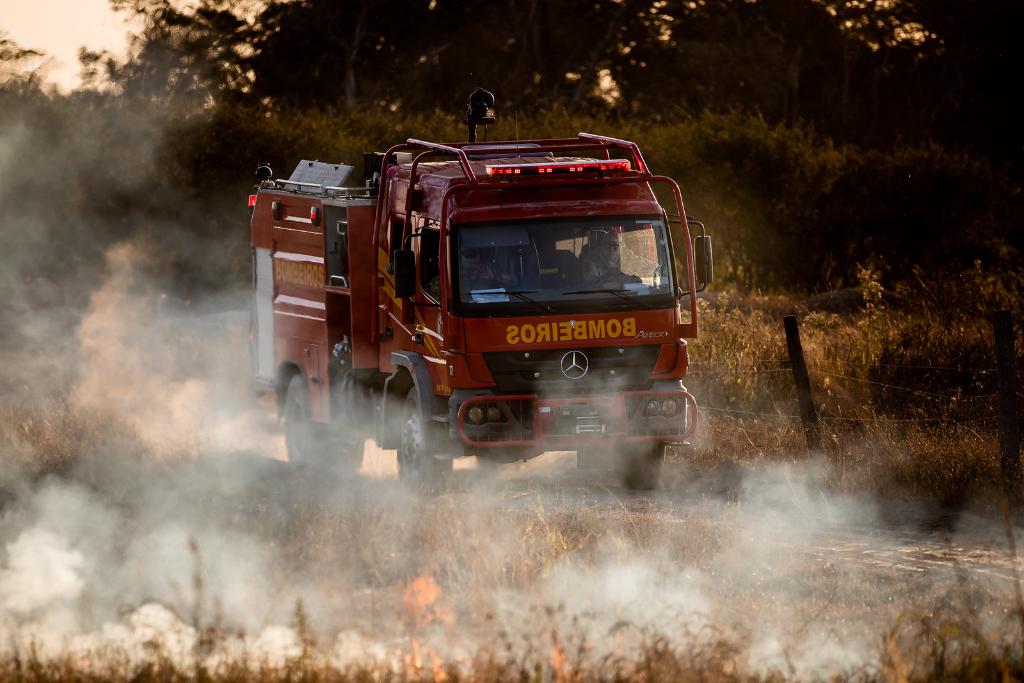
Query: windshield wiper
[
  {"x": 522, "y": 297},
  {"x": 621, "y": 293}
]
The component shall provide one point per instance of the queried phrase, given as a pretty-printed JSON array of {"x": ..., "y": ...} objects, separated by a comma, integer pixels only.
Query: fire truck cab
[{"x": 496, "y": 299}]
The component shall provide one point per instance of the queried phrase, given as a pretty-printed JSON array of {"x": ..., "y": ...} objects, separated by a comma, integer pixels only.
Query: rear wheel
[
  {"x": 416, "y": 462},
  {"x": 306, "y": 440}
]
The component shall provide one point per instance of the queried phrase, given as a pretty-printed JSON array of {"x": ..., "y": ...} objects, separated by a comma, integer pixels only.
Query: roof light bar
[{"x": 559, "y": 167}]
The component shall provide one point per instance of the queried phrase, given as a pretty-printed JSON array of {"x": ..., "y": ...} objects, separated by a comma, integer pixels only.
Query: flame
[
  {"x": 439, "y": 674},
  {"x": 415, "y": 659},
  {"x": 421, "y": 599},
  {"x": 558, "y": 664}
]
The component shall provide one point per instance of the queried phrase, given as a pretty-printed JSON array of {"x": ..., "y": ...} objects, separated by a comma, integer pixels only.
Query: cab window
[{"x": 430, "y": 268}]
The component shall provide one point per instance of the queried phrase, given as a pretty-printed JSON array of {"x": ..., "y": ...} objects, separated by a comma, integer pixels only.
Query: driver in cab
[
  {"x": 479, "y": 273},
  {"x": 601, "y": 261}
]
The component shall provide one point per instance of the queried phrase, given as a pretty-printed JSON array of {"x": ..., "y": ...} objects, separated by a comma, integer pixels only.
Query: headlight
[
  {"x": 653, "y": 408},
  {"x": 670, "y": 407},
  {"x": 493, "y": 414},
  {"x": 475, "y": 415}
]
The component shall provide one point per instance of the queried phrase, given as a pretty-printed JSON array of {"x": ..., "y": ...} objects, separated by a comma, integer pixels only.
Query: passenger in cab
[{"x": 600, "y": 261}]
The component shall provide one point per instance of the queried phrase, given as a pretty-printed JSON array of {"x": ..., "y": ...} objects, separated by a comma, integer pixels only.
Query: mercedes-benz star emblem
[{"x": 575, "y": 364}]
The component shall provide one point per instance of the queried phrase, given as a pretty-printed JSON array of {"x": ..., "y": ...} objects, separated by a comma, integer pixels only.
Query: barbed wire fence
[
  {"x": 751, "y": 368},
  {"x": 1003, "y": 411}
]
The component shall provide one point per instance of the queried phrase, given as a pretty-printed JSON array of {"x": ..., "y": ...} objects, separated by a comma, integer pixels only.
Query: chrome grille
[{"x": 610, "y": 368}]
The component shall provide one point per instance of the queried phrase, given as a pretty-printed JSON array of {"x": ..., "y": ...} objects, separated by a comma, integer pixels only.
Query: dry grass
[
  {"x": 447, "y": 572},
  {"x": 440, "y": 574},
  {"x": 904, "y": 383},
  {"x": 940, "y": 657},
  {"x": 49, "y": 436}
]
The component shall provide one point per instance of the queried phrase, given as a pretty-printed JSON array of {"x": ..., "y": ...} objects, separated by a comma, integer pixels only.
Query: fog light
[
  {"x": 475, "y": 415},
  {"x": 493, "y": 414},
  {"x": 670, "y": 407},
  {"x": 653, "y": 408}
]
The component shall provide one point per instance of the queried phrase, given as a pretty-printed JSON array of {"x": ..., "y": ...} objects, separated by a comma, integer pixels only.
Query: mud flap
[{"x": 389, "y": 434}]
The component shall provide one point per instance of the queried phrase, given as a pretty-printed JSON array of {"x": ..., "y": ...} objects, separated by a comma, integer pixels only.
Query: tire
[
  {"x": 416, "y": 462},
  {"x": 306, "y": 440},
  {"x": 642, "y": 466}
]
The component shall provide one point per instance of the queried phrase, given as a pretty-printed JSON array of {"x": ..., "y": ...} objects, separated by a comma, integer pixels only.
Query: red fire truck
[{"x": 496, "y": 299}]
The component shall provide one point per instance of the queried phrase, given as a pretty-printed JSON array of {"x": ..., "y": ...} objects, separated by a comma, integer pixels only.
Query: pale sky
[{"x": 59, "y": 28}]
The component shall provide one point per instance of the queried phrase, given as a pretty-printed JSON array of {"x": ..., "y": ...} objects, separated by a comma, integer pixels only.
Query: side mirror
[
  {"x": 405, "y": 273},
  {"x": 704, "y": 264}
]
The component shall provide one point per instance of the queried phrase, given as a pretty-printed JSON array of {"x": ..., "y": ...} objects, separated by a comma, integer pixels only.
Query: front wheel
[{"x": 416, "y": 462}]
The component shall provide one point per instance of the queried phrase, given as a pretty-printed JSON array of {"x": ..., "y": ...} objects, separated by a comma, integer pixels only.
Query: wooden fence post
[
  {"x": 1009, "y": 427},
  {"x": 803, "y": 384}
]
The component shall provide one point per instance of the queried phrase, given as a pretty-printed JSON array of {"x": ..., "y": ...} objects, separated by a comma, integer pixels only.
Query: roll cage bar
[{"x": 583, "y": 142}]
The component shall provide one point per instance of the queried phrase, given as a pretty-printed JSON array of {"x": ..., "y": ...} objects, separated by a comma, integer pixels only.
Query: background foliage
[{"x": 814, "y": 137}]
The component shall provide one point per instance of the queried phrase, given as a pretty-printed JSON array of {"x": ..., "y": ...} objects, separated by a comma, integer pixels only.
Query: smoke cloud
[
  {"x": 177, "y": 375},
  {"x": 145, "y": 511}
]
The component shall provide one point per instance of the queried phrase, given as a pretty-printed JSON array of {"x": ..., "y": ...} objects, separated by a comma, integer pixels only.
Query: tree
[
  {"x": 15, "y": 59},
  {"x": 871, "y": 72},
  {"x": 189, "y": 56}
]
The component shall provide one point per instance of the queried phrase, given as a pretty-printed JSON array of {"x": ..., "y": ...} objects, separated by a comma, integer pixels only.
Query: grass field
[
  {"x": 147, "y": 537},
  {"x": 227, "y": 569},
  {"x": 904, "y": 381}
]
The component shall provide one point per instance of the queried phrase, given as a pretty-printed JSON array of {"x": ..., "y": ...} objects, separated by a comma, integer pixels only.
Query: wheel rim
[{"x": 412, "y": 450}]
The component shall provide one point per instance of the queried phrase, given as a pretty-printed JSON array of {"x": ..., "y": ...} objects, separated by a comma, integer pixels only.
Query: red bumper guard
[{"x": 527, "y": 420}]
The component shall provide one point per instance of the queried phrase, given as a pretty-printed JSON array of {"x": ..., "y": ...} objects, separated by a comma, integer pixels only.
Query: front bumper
[{"x": 560, "y": 423}]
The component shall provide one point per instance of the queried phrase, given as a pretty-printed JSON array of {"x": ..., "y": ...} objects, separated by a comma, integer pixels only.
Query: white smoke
[
  {"x": 144, "y": 555},
  {"x": 177, "y": 377},
  {"x": 42, "y": 571}
]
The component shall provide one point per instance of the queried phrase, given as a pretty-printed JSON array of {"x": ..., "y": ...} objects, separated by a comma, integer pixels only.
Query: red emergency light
[
  {"x": 252, "y": 200},
  {"x": 559, "y": 167}
]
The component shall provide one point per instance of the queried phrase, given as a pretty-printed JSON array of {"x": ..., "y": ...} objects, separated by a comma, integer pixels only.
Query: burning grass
[
  {"x": 122, "y": 561},
  {"x": 508, "y": 582},
  {"x": 938, "y": 658}
]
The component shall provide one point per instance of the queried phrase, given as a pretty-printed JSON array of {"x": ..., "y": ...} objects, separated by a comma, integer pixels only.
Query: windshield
[{"x": 549, "y": 264}]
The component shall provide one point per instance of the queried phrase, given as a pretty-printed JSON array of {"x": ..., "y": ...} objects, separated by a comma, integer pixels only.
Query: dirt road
[{"x": 890, "y": 538}]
